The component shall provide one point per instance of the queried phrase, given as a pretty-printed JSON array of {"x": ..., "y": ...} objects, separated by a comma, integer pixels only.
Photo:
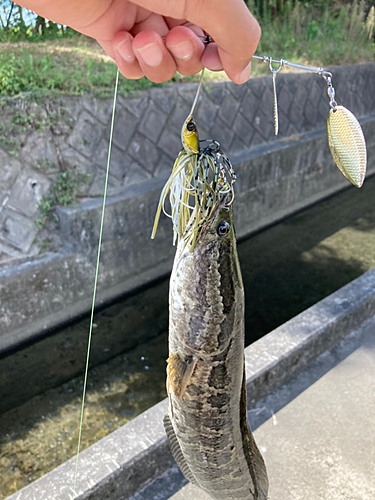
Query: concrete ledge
[{"x": 120, "y": 464}]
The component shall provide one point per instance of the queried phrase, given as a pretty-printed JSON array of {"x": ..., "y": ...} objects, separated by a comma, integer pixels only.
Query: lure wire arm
[{"x": 282, "y": 62}]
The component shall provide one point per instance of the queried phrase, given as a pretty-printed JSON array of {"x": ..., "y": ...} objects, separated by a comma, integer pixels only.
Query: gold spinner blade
[{"x": 347, "y": 144}]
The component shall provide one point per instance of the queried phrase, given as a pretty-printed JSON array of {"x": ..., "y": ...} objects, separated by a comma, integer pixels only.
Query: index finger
[{"x": 228, "y": 22}]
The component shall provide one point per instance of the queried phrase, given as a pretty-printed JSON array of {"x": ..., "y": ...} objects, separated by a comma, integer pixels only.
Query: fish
[{"x": 206, "y": 424}]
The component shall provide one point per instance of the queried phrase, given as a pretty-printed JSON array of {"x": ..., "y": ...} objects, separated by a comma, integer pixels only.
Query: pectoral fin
[
  {"x": 253, "y": 456},
  {"x": 176, "y": 450},
  {"x": 179, "y": 372}
]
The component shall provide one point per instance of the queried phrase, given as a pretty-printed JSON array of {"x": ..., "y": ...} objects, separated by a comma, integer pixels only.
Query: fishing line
[
  {"x": 95, "y": 287},
  {"x": 197, "y": 92}
]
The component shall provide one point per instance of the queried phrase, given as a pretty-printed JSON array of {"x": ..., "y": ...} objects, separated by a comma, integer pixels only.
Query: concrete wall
[{"x": 276, "y": 177}]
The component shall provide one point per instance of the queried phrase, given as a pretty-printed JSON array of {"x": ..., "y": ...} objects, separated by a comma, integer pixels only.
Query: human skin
[{"x": 156, "y": 38}]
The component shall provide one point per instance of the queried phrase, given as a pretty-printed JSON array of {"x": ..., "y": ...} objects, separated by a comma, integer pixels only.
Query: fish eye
[
  {"x": 223, "y": 228},
  {"x": 190, "y": 126}
]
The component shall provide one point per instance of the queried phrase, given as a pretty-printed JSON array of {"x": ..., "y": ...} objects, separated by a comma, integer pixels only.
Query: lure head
[{"x": 189, "y": 136}]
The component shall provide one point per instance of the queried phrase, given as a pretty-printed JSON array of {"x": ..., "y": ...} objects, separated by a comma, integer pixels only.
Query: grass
[
  {"x": 321, "y": 33},
  {"x": 72, "y": 66}
]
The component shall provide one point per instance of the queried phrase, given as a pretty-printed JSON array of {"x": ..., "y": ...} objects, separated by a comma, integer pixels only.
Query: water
[
  {"x": 41, "y": 434},
  {"x": 286, "y": 269},
  {"x": 296, "y": 263}
]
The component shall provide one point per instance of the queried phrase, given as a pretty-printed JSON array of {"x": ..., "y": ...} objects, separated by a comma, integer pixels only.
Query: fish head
[
  {"x": 189, "y": 136},
  {"x": 216, "y": 231},
  {"x": 219, "y": 229}
]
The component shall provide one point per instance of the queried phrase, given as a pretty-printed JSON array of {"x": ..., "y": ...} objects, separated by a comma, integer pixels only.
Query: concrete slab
[
  {"x": 317, "y": 435},
  {"x": 323, "y": 446}
]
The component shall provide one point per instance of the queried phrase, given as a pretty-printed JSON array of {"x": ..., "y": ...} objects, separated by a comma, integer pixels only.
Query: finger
[
  {"x": 122, "y": 46},
  {"x": 235, "y": 31},
  {"x": 172, "y": 23},
  {"x": 186, "y": 49},
  {"x": 153, "y": 22},
  {"x": 211, "y": 58},
  {"x": 231, "y": 69},
  {"x": 229, "y": 22},
  {"x": 153, "y": 57}
]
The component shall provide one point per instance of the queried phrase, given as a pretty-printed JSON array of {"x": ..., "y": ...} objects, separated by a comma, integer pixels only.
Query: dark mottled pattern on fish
[{"x": 207, "y": 422}]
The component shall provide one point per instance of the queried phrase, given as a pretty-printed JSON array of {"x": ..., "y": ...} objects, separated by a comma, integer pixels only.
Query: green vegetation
[
  {"x": 319, "y": 33},
  {"x": 38, "y": 56},
  {"x": 28, "y": 113},
  {"x": 19, "y": 24},
  {"x": 44, "y": 244},
  {"x": 64, "y": 192},
  {"x": 67, "y": 66}
]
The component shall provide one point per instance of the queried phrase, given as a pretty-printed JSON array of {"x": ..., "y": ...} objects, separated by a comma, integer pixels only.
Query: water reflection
[{"x": 298, "y": 262}]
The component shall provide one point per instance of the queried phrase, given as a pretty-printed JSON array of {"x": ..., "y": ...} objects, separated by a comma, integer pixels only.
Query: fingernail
[
  {"x": 183, "y": 50},
  {"x": 244, "y": 75},
  {"x": 151, "y": 54},
  {"x": 125, "y": 50}
]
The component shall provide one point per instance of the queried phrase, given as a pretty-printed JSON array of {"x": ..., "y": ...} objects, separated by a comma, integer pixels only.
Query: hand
[{"x": 156, "y": 38}]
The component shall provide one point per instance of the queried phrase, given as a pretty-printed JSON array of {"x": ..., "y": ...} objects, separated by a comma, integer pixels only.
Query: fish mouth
[{"x": 200, "y": 222}]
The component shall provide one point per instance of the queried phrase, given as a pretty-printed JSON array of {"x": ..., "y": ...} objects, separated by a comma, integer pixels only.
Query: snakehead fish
[{"x": 207, "y": 425}]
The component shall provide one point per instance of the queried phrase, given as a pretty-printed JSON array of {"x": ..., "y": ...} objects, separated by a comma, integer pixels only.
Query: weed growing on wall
[{"x": 64, "y": 192}]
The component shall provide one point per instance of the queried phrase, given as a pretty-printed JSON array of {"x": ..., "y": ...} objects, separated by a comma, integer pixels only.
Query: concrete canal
[{"x": 286, "y": 268}]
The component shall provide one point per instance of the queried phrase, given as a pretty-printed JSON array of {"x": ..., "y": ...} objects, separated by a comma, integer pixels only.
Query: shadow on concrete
[{"x": 163, "y": 487}]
